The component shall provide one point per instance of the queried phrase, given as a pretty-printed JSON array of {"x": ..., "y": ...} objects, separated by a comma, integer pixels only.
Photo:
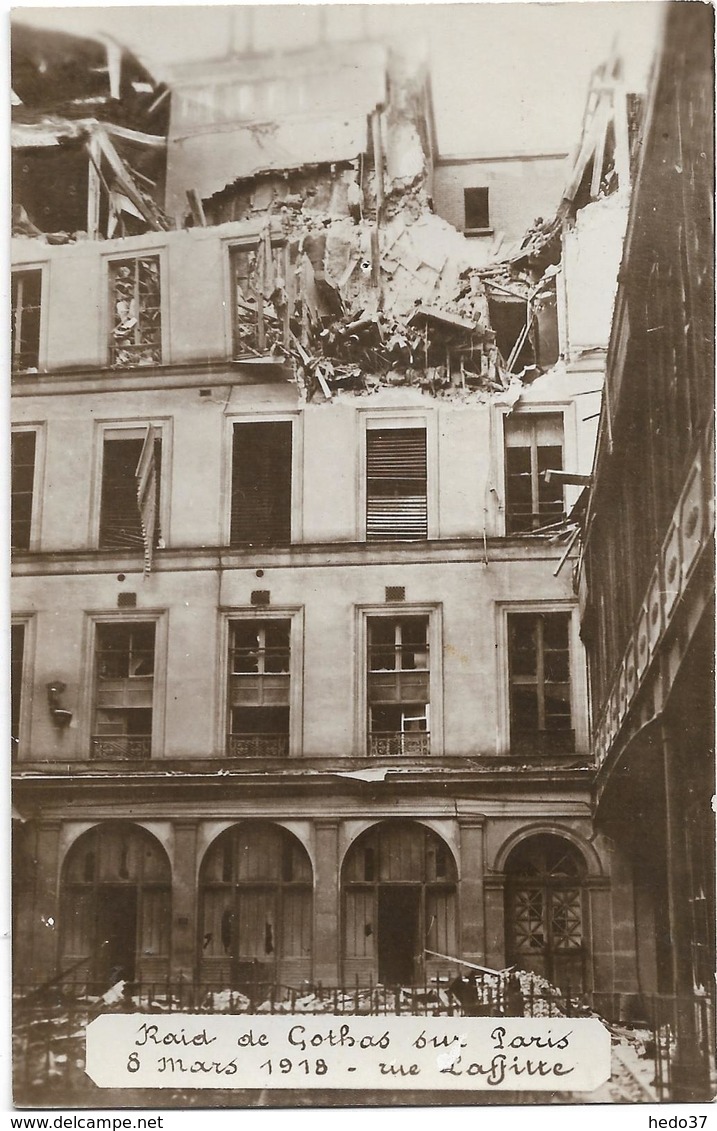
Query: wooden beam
[
  {"x": 93, "y": 187},
  {"x": 197, "y": 208}
]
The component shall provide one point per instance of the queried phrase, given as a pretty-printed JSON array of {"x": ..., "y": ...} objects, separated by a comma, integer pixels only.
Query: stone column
[
  {"x": 495, "y": 922},
  {"x": 326, "y": 902},
  {"x": 604, "y": 966},
  {"x": 185, "y": 959},
  {"x": 43, "y": 956},
  {"x": 472, "y": 910}
]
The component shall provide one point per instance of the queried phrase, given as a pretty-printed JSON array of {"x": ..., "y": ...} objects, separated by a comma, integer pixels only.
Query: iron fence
[{"x": 49, "y": 1021}]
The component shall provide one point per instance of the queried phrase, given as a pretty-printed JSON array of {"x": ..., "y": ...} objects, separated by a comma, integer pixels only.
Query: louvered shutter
[
  {"x": 120, "y": 517},
  {"x": 396, "y": 505},
  {"x": 261, "y": 484}
]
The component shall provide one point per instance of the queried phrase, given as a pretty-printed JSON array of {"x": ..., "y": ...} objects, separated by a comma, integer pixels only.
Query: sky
[{"x": 506, "y": 76}]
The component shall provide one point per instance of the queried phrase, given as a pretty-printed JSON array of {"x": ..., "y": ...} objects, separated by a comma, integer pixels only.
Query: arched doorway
[
  {"x": 116, "y": 906},
  {"x": 544, "y": 910},
  {"x": 399, "y": 899},
  {"x": 256, "y": 895}
]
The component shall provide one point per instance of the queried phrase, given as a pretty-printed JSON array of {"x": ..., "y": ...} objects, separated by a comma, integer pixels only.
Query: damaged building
[
  {"x": 647, "y": 563},
  {"x": 299, "y": 688}
]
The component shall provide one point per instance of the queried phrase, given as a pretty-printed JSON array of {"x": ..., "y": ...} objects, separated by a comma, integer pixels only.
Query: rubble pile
[
  {"x": 49, "y": 1036},
  {"x": 355, "y": 307},
  {"x": 374, "y": 1001}
]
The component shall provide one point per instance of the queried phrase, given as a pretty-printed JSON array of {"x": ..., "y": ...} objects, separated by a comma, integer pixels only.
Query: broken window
[
  {"x": 124, "y": 525},
  {"x": 259, "y": 685},
  {"x": 124, "y": 669},
  {"x": 261, "y": 484},
  {"x": 17, "y": 652},
  {"x": 256, "y": 907},
  {"x": 539, "y": 674},
  {"x": 135, "y": 313},
  {"x": 476, "y": 211},
  {"x": 533, "y": 445},
  {"x": 22, "y": 458},
  {"x": 396, "y": 484},
  {"x": 398, "y": 686},
  {"x": 260, "y": 307},
  {"x": 26, "y": 289}
]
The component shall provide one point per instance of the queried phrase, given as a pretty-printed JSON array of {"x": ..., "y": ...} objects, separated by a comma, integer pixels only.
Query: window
[
  {"x": 115, "y": 908},
  {"x": 26, "y": 288},
  {"x": 129, "y": 505},
  {"x": 17, "y": 652},
  {"x": 256, "y": 904},
  {"x": 261, "y": 484},
  {"x": 398, "y": 686},
  {"x": 539, "y": 673},
  {"x": 22, "y": 458},
  {"x": 259, "y": 688},
  {"x": 124, "y": 691},
  {"x": 533, "y": 445},
  {"x": 259, "y": 273},
  {"x": 475, "y": 206},
  {"x": 135, "y": 311},
  {"x": 399, "y": 904},
  {"x": 396, "y": 480}
]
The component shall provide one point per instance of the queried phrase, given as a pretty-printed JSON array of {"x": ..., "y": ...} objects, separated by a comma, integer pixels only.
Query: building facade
[{"x": 300, "y": 694}]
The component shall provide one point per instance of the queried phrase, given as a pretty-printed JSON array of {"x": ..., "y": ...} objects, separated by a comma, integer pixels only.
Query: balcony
[
  {"x": 396, "y": 744},
  {"x": 122, "y": 748},
  {"x": 258, "y": 745}
]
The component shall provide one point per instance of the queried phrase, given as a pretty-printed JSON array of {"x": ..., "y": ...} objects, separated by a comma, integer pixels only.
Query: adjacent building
[{"x": 647, "y": 577}]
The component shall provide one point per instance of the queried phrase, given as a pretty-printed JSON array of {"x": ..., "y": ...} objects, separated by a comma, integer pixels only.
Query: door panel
[
  {"x": 116, "y": 933},
  {"x": 398, "y": 915}
]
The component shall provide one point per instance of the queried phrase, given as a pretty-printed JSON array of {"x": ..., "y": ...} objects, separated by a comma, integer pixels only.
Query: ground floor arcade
[{"x": 392, "y": 894}]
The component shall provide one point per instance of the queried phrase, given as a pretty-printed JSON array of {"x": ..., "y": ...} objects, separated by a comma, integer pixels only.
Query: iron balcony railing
[
  {"x": 542, "y": 743},
  {"x": 122, "y": 748},
  {"x": 258, "y": 745},
  {"x": 394, "y": 744}
]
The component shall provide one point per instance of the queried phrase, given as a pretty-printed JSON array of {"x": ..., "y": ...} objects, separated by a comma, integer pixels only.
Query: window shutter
[
  {"x": 396, "y": 504},
  {"x": 22, "y": 450},
  {"x": 121, "y": 516},
  {"x": 261, "y": 484},
  {"x": 146, "y": 477}
]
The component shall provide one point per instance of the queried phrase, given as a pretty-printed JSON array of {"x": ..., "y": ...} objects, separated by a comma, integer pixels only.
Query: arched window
[
  {"x": 116, "y": 906},
  {"x": 256, "y": 885},
  {"x": 399, "y": 900},
  {"x": 544, "y": 910}
]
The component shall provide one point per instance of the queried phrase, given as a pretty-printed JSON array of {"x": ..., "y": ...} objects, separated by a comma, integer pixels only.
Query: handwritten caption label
[{"x": 299, "y": 1051}]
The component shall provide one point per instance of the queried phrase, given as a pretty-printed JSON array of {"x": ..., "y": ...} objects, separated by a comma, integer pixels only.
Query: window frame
[
  {"x": 297, "y": 462},
  {"x": 37, "y": 480},
  {"x": 89, "y": 677},
  {"x": 28, "y": 622},
  {"x": 107, "y": 321},
  {"x": 295, "y": 615},
  {"x": 434, "y": 636},
  {"x": 131, "y": 429},
  {"x": 378, "y": 420},
  {"x": 232, "y": 248},
  {"x": 565, "y": 409},
  {"x": 578, "y": 678},
  {"x": 42, "y": 270}
]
